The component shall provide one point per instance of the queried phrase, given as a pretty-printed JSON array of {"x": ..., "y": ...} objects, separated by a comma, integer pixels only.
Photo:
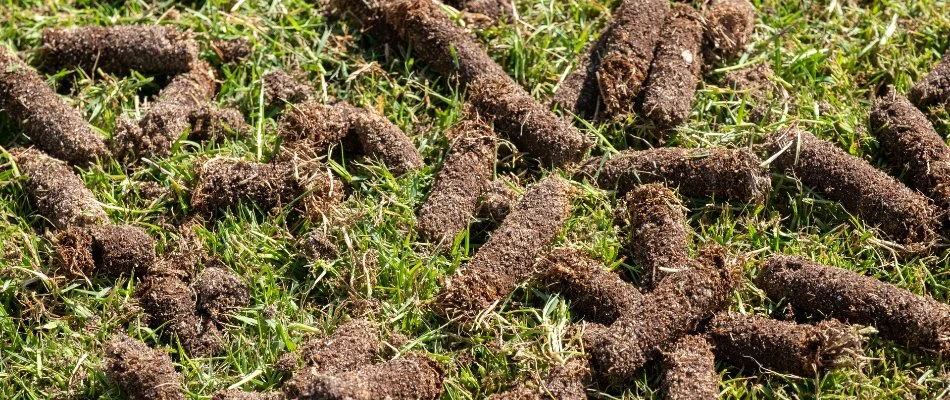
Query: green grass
[{"x": 831, "y": 57}]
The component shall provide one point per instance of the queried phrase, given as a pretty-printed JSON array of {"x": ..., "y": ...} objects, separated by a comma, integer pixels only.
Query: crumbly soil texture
[
  {"x": 410, "y": 377},
  {"x": 58, "y": 194},
  {"x": 169, "y": 301},
  {"x": 566, "y": 381},
  {"x": 148, "y": 49},
  {"x": 657, "y": 236},
  {"x": 729, "y": 26},
  {"x": 232, "y": 50},
  {"x": 281, "y": 88},
  {"x": 934, "y": 88},
  {"x": 496, "y": 10},
  {"x": 220, "y": 292},
  {"x": 353, "y": 345},
  {"x": 104, "y": 250},
  {"x": 143, "y": 373},
  {"x": 210, "y": 123},
  {"x": 670, "y": 89},
  {"x": 496, "y": 201},
  {"x": 689, "y": 370}
]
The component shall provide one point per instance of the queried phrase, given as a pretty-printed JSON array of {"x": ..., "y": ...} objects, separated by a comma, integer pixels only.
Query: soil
[
  {"x": 579, "y": 94},
  {"x": 320, "y": 125},
  {"x": 909, "y": 141},
  {"x": 167, "y": 299},
  {"x": 57, "y": 194},
  {"x": 281, "y": 88},
  {"x": 52, "y": 125},
  {"x": 596, "y": 293},
  {"x": 220, "y": 292},
  {"x": 674, "y": 309},
  {"x": 213, "y": 124},
  {"x": 758, "y": 85},
  {"x": 149, "y": 49},
  {"x": 564, "y": 382},
  {"x": 354, "y": 344},
  {"x": 107, "y": 250},
  {"x": 751, "y": 341},
  {"x": 381, "y": 139},
  {"x": 670, "y": 89},
  {"x": 934, "y": 88},
  {"x": 411, "y": 377},
  {"x": 142, "y": 372},
  {"x": 495, "y": 10},
  {"x": 918, "y": 322},
  {"x": 720, "y": 173},
  {"x": 654, "y": 219},
  {"x": 369, "y": 15},
  {"x": 689, "y": 370},
  {"x": 233, "y": 50},
  {"x": 904, "y": 215},
  {"x": 465, "y": 174},
  {"x": 496, "y": 201},
  {"x": 316, "y": 245},
  {"x": 729, "y": 26},
  {"x": 628, "y": 52},
  {"x": 242, "y": 395},
  {"x": 509, "y": 255}
]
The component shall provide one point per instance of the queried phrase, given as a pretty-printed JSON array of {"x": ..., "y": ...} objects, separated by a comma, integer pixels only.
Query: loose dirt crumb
[
  {"x": 220, "y": 292},
  {"x": 509, "y": 255},
  {"x": 412, "y": 377},
  {"x": 881, "y": 201},
  {"x": 725, "y": 174},
  {"x": 142, "y": 373},
  {"x": 564, "y": 382},
  {"x": 149, "y": 49},
  {"x": 58, "y": 194},
  {"x": 689, "y": 370},
  {"x": 353, "y": 345},
  {"x": 281, "y": 88},
  {"x": 242, "y": 395},
  {"x": 213, "y": 124},
  {"x": 233, "y": 50},
  {"x": 918, "y": 322},
  {"x": 729, "y": 25},
  {"x": 465, "y": 174},
  {"x": 669, "y": 90},
  {"x": 658, "y": 236},
  {"x": 496, "y": 200},
  {"x": 107, "y": 250},
  {"x": 934, "y": 88},
  {"x": 52, "y": 125}
]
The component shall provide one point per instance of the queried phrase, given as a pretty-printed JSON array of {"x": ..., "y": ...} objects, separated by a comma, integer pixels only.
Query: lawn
[{"x": 830, "y": 59}]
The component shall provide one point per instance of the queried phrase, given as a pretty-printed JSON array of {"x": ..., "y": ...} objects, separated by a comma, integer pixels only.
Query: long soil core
[{"x": 149, "y": 49}]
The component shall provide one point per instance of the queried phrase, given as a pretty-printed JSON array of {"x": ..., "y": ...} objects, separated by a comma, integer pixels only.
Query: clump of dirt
[
  {"x": 105, "y": 250},
  {"x": 495, "y": 10},
  {"x": 496, "y": 201},
  {"x": 918, "y": 322},
  {"x": 729, "y": 25},
  {"x": 212, "y": 123},
  {"x": 670, "y": 88},
  {"x": 56, "y": 192},
  {"x": 167, "y": 299},
  {"x": 465, "y": 174},
  {"x": 725, "y": 174},
  {"x": 509, "y": 255},
  {"x": 52, "y": 125},
  {"x": 879, "y": 199},
  {"x": 579, "y": 94},
  {"x": 318, "y": 246},
  {"x": 933, "y": 89},
  {"x": 675, "y": 308},
  {"x": 220, "y": 292},
  {"x": 689, "y": 370},
  {"x": 411, "y": 377},
  {"x": 564, "y": 382},
  {"x": 141, "y": 372},
  {"x": 352, "y": 346},
  {"x": 909, "y": 141},
  {"x": 657, "y": 232},
  {"x": 321, "y": 125},
  {"x": 242, "y": 395},
  {"x": 233, "y": 50},
  {"x": 149, "y": 49},
  {"x": 596, "y": 293},
  {"x": 281, "y": 88},
  {"x": 752, "y": 341}
]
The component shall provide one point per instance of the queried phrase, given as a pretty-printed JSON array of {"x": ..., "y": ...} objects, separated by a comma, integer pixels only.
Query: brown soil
[
  {"x": 628, "y": 53},
  {"x": 909, "y": 141},
  {"x": 149, "y": 49},
  {"x": 232, "y": 51},
  {"x": 316, "y": 245},
  {"x": 321, "y": 125},
  {"x": 752, "y": 341},
  {"x": 369, "y": 15},
  {"x": 564, "y": 382},
  {"x": 509, "y": 255},
  {"x": 220, "y": 292},
  {"x": 167, "y": 299},
  {"x": 675, "y": 308},
  {"x": 353, "y": 345},
  {"x": 51, "y": 124},
  {"x": 56, "y": 192},
  {"x": 881, "y": 201},
  {"x": 465, "y": 174},
  {"x": 281, "y": 88},
  {"x": 496, "y": 201},
  {"x": 654, "y": 219},
  {"x": 493, "y": 9},
  {"x": 933, "y": 89},
  {"x": 107, "y": 250},
  {"x": 579, "y": 94},
  {"x": 725, "y": 174},
  {"x": 758, "y": 86},
  {"x": 689, "y": 370},
  {"x": 213, "y": 124},
  {"x": 669, "y": 90},
  {"x": 142, "y": 373},
  {"x": 729, "y": 25},
  {"x": 242, "y": 395},
  {"x": 596, "y": 293},
  {"x": 918, "y": 322},
  {"x": 411, "y": 377}
]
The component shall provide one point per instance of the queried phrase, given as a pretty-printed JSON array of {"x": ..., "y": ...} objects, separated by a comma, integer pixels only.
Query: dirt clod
[
  {"x": 411, "y": 377},
  {"x": 729, "y": 25},
  {"x": 321, "y": 125},
  {"x": 879, "y": 199},
  {"x": 354, "y": 344},
  {"x": 220, "y": 292},
  {"x": 933, "y": 89},
  {"x": 211, "y": 123},
  {"x": 669, "y": 90},
  {"x": 596, "y": 293},
  {"x": 657, "y": 233},
  {"x": 316, "y": 245},
  {"x": 106, "y": 250},
  {"x": 52, "y": 124},
  {"x": 58, "y": 194},
  {"x": 233, "y": 50},
  {"x": 493, "y": 9},
  {"x": 142, "y": 373},
  {"x": 281, "y": 87},
  {"x": 496, "y": 201},
  {"x": 167, "y": 299},
  {"x": 242, "y": 395},
  {"x": 564, "y": 382},
  {"x": 689, "y": 370},
  {"x": 149, "y": 49},
  {"x": 918, "y": 322}
]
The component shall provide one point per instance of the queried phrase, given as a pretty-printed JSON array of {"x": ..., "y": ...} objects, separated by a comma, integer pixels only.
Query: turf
[{"x": 830, "y": 57}]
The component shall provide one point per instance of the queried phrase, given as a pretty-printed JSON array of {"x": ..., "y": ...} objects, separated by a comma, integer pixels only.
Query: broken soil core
[
  {"x": 220, "y": 292},
  {"x": 209, "y": 123},
  {"x": 353, "y": 345},
  {"x": 493, "y": 9},
  {"x": 149, "y": 49},
  {"x": 496, "y": 201},
  {"x": 58, "y": 194},
  {"x": 564, "y": 382},
  {"x": 143, "y": 373},
  {"x": 654, "y": 219},
  {"x": 689, "y": 370},
  {"x": 411, "y": 377},
  {"x": 934, "y": 88},
  {"x": 105, "y": 250},
  {"x": 669, "y": 90},
  {"x": 729, "y": 25},
  {"x": 233, "y": 50},
  {"x": 281, "y": 88}
]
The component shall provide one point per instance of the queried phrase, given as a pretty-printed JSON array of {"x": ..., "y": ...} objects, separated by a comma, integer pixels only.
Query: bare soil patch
[
  {"x": 729, "y": 26},
  {"x": 411, "y": 377},
  {"x": 670, "y": 89},
  {"x": 142, "y": 372},
  {"x": 689, "y": 370},
  {"x": 58, "y": 194},
  {"x": 149, "y": 49},
  {"x": 104, "y": 250},
  {"x": 654, "y": 219},
  {"x": 934, "y": 88}
]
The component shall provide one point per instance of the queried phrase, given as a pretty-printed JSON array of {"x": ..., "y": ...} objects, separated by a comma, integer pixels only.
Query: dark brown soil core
[
  {"x": 509, "y": 255},
  {"x": 142, "y": 373},
  {"x": 209, "y": 123},
  {"x": 167, "y": 299},
  {"x": 411, "y": 377},
  {"x": 149, "y": 49},
  {"x": 242, "y": 395},
  {"x": 220, "y": 292},
  {"x": 352, "y": 346},
  {"x": 933, "y": 89},
  {"x": 281, "y": 87},
  {"x": 671, "y": 86},
  {"x": 496, "y": 201},
  {"x": 881, "y": 201},
  {"x": 51, "y": 124},
  {"x": 675, "y": 308},
  {"x": 752, "y": 341},
  {"x": 654, "y": 219},
  {"x": 689, "y": 370},
  {"x": 579, "y": 94},
  {"x": 317, "y": 245},
  {"x": 729, "y": 25},
  {"x": 564, "y": 382},
  {"x": 596, "y": 293},
  {"x": 232, "y": 51},
  {"x": 909, "y": 141},
  {"x": 918, "y": 322},
  {"x": 56, "y": 192},
  {"x": 720, "y": 173},
  {"x": 106, "y": 250},
  {"x": 465, "y": 174},
  {"x": 493, "y": 9}
]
